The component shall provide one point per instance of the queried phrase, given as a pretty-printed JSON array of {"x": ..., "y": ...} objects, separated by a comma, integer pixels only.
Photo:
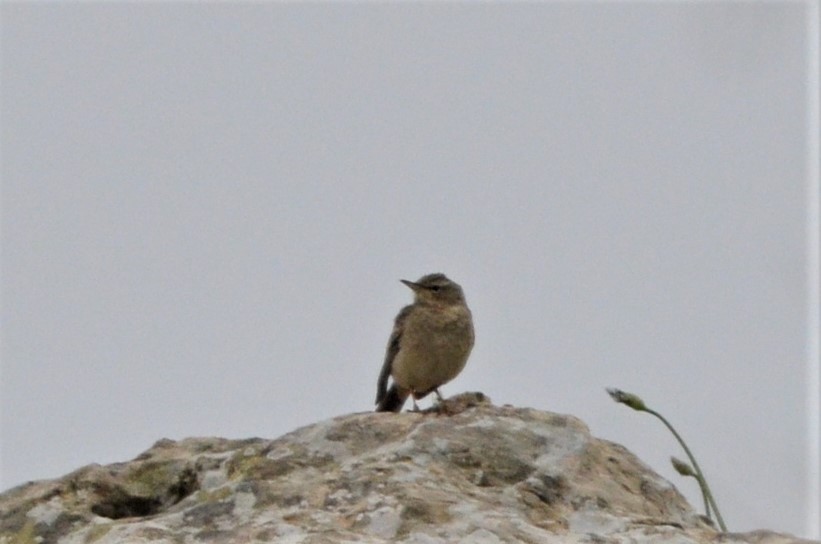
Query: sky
[{"x": 207, "y": 209}]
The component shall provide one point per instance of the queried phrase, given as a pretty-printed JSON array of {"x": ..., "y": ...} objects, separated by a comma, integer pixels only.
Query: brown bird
[{"x": 429, "y": 345}]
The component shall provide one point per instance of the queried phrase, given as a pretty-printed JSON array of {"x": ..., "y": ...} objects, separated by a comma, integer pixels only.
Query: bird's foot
[{"x": 442, "y": 407}]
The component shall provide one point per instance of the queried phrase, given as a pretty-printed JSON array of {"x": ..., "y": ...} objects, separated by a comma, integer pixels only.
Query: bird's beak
[{"x": 410, "y": 284}]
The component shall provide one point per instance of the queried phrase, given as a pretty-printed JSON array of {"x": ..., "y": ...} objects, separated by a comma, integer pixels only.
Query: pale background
[{"x": 206, "y": 209}]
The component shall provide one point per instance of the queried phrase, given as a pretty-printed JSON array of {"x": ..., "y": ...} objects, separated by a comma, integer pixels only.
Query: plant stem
[{"x": 705, "y": 489}]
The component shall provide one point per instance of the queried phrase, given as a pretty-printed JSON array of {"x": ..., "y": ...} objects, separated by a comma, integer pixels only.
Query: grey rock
[{"x": 473, "y": 473}]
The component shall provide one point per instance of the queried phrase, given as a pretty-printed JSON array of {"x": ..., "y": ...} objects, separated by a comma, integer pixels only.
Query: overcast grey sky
[{"x": 206, "y": 209}]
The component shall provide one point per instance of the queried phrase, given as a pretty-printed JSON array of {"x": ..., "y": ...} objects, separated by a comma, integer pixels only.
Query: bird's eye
[{"x": 434, "y": 288}]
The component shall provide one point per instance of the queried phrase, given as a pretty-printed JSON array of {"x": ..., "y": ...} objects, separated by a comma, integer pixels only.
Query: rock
[{"x": 473, "y": 473}]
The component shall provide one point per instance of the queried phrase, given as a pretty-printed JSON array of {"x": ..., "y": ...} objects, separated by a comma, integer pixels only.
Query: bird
[{"x": 429, "y": 345}]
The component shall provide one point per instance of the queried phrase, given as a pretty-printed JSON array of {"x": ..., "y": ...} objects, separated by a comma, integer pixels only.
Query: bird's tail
[{"x": 393, "y": 400}]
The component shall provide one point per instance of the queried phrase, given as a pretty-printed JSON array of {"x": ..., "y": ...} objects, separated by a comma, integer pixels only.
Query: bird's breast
[{"x": 434, "y": 348}]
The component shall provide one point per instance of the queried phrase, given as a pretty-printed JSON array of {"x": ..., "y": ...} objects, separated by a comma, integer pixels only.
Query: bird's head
[{"x": 436, "y": 289}]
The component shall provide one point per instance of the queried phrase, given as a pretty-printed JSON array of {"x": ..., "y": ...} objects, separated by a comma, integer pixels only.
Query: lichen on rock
[{"x": 472, "y": 472}]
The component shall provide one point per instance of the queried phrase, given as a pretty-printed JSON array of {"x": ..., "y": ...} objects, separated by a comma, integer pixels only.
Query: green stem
[
  {"x": 704, "y": 498},
  {"x": 705, "y": 489}
]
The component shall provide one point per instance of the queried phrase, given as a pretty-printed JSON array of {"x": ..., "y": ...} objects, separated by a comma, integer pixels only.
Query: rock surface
[{"x": 479, "y": 473}]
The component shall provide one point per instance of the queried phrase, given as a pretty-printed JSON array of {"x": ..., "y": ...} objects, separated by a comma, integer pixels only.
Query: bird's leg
[
  {"x": 441, "y": 405},
  {"x": 415, "y": 407}
]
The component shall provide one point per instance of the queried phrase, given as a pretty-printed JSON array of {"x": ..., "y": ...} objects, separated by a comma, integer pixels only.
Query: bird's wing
[{"x": 390, "y": 353}]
